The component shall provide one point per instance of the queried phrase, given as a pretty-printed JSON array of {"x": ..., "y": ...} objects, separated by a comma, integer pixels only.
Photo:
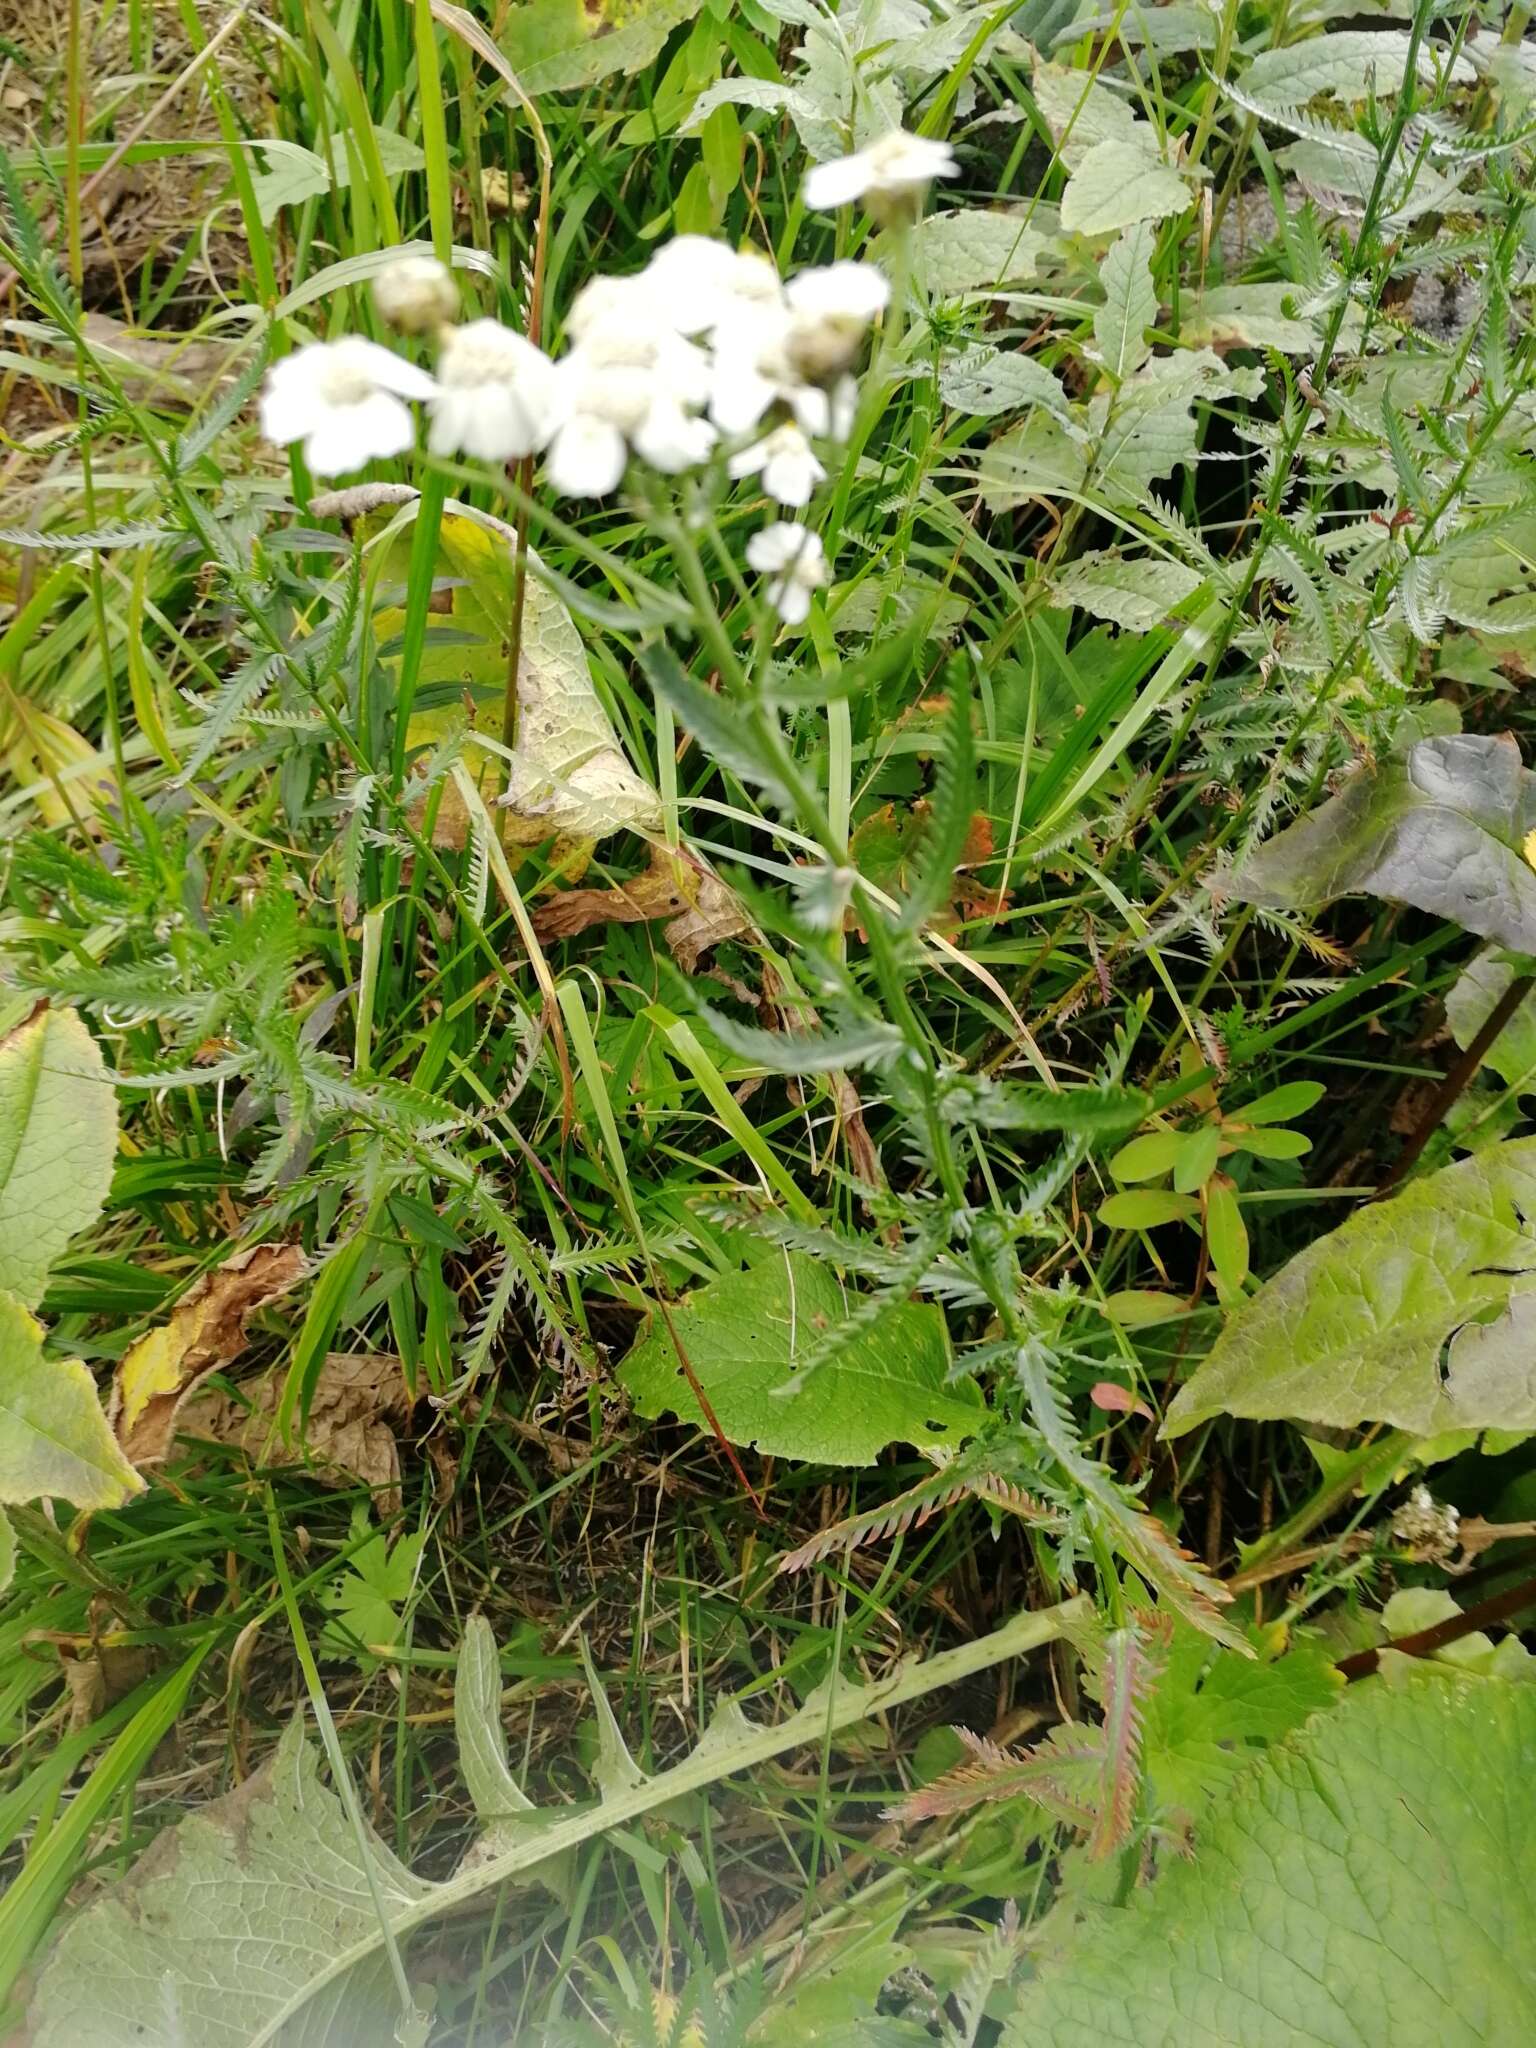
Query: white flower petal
[
  {"x": 381, "y": 366},
  {"x": 838, "y": 183},
  {"x": 775, "y": 547},
  {"x": 352, "y": 435},
  {"x": 672, "y": 440},
  {"x": 791, "y": 599},
  {"x": 586, "y": 458}
]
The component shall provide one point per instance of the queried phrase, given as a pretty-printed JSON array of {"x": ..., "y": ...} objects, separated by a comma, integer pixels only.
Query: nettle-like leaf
[
  {"x": 1370, "y": 1880},
  {"x": 1420, "y": 1312},
  {"x": 1442, "y": 828},
  {"x": 1248, "y": 316},
  {"x": 883, "y": 1379},
  {"x": 987, "y": 381},
  {"x": 266, "y": 1917},
  {"x": 1147, "y": 428},
  {"x": 1130, "y": 302},
  {"x": 971, "y": 250},
  {"x": 1137, "y": 594},
  {"x": 58, "y": 1138},
  {"x": 1350, "y": 65},
  {"x": 1117, "y": 184},
  {"x": 1081, "y": 111}
]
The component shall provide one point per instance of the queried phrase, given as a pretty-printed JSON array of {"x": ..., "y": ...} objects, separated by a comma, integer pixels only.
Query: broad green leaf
[
  {"x": 1370, "y": 1881},
  {"x": 1442, "y": 829},
  {"x": 1136, "y": 594},
  {"x": 1197, "y": 1155},
  {"x": 1269, "y": 1144},
  {"x": 1420, "y": 1312},
  {"x": 1211, "y": 1712},
  {"x": 746, "y": 1333},
  {"x": 1145, "y": 1208},
  {"x": 297, "y": 174},
  {"x": 364, "y": 1602},
  {"x": 1117, "y": 184},
  {"x": 1080, "y": 111},
  {"x": 1135, "y": 1308},
  {"x": 1478, "y": 990},
  {"x": 1130, "y": 302},
  {"x": 986, "y": 381},
  {"x": 58, "y": 1136},
  {"x": 567, "y": 45},
  {"x": 1247, "y": 316},
  {"x": 1147, "y": 427},
  {"x": 1279, "y": 1105},
  {"x": 54, "y": 1439},
  {"x": 261, "y": 1919},
  {"x": 1038, "y": 459},
  {"x": 1148, "y": 1157},
  {"x": 1348, "y": 66},
  {"x": 971, "y": 250}
]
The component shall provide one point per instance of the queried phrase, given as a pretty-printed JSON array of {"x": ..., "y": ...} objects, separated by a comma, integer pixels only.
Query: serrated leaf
[
  {"x": 54, "y": 1439},
  {"x": 1420, "y": 1312},
  {"x": 58, "y": 1138},
  {"x": 1211, "y": 1712},
  {"x": 1130, "y": 302},
  {"x": 1080, "y": 112},
  {"x": 986, "y": 381},
  {"x": 1442, "y": 828},
  {"x": 1147, "y": 427},
  {"x": 1247, "y": 316},
  {"x": 1137, "y": 594},
  {"x": 969, "y": 250},
  {"x": 1349, "y": 65},
  {"x": 567, "y": 45},
  {"x": 1118, "y": 184},
  {"x": 295, "y": 1902},
  {"x": 746, "y": 1333},
  {"x": 1368, "y": 1881}
]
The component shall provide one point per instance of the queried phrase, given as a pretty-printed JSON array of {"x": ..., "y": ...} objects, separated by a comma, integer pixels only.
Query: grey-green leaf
[
  {"x": 1420, "y": 1312},
  {"x": 746, "y": 1333},
  {"x": 1370, "y": 1881},
  {"x": 1477, "y": 992},
  {"x": 1441, "y": 828}
]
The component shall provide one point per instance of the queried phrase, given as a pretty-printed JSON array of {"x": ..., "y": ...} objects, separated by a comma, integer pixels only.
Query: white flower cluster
[{"x": 703, "y": 345}]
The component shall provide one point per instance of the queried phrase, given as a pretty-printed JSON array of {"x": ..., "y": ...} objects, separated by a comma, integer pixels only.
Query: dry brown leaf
[
  {"x": 701, "y": 910},
  {"x": 359, "y": 1397},
  {"x": 207, "y": 1329}
]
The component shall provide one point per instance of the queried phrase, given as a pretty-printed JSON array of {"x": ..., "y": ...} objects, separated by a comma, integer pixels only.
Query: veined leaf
[
  {"x": 1369, "y": 1881},
  {"x": 1420, "y": 1312},
  {"x": 1442, "y": 829},
  {"x": 58, "y": 1136},
  {"x": 746, "y": 1333},
  {"x": 1130, "y": 302},
  {"x": 970, "y": 250},
  {"x": 1477, "y": 993},
  {"x": 1247, "y": 316},
  {"x": 567, "y": 45},
  {"x": 986, "y": 381},
  {"x": 263, "y": 1918},
  {"x": 1137, "y": 594},
  {"x": 1080, "y": 111},
  {"x": 54, "y": 1439},
  {"x": 1348, "y": 66},
  {"x": 1118, "y": 184}
]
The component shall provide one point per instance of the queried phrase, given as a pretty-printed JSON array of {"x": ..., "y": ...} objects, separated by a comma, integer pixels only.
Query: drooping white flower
[
  {"x": 586, "y": 458},
  {"x": 785, "y": 461},
  {"x": 342, "y": 399},
  {"x": 496, "y": 394},
  {"x": 891, "y": 175},
  {"x": 672, "y": 440},
  {"x": 793, "y": 557},
  {"x": 701, "y": 282},
  {"x": 830, "y": 311},
  {"x": 416, "y": 294}
]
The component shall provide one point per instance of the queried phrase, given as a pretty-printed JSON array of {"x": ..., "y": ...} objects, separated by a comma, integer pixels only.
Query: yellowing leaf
[
  {"x": 54, "y": 1439},
  {"x": 58, "y": 1134},
  {"x": 1528, "y": 848},
  {"x": 207, "y": 1329}
]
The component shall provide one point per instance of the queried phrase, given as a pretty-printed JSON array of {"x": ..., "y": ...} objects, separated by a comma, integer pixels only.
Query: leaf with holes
[
  {"x": 746, "y": 1333},
  {"x": 1442, "y": 828},
  {"x": 1420, "y": 1312},
  {"x": 1369, "y": 1880}
]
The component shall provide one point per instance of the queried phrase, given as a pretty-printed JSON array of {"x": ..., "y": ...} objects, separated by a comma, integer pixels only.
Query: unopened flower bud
[{"x": 416, "y": 294}]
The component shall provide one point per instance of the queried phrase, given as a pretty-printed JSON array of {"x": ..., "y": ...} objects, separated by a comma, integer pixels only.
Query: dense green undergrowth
[{"x": 765, "y": 1221}]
